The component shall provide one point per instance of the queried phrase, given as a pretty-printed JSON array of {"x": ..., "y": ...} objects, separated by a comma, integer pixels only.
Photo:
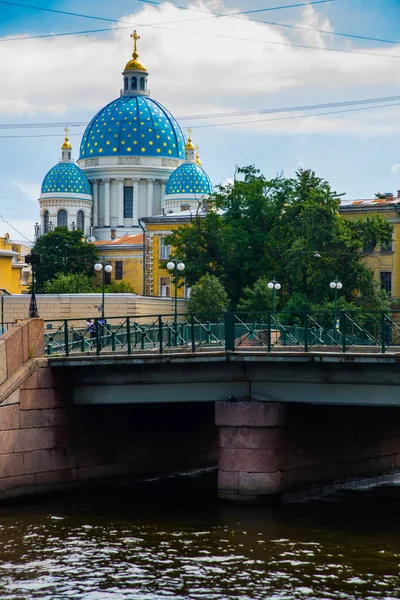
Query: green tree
[
  {"x": 208, "y": 298},
  {"x": 256, "y": 299},
  {"x": 119, "y": 287},
  {"x": 63, "y": 251},
  {"x": 70, "y": 283},
  {"x": 289, "y": 229}
]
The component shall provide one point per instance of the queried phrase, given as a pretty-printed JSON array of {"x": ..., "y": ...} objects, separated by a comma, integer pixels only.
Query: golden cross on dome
[
  {"x": 189, "y": 132},
  {"x": 135, "y": 38},
  {"x": 66, "y": 131}
]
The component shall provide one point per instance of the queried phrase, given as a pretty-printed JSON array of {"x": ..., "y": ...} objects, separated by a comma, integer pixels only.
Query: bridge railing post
[
  {"x": 343, "y": 324},
  {"x": 306, "y": 341},
  {"x": 269, "y": 323},
  {"x": 192, "y": 334},
  {"x": 383, "y": 332},
  {"x": 66, "y": 342},
  {"x": 229, "y": 318},
  {"x": 128, "y": 335},
  {"x": 160, "y": 334},
  {"x": 98, "y": 340}
]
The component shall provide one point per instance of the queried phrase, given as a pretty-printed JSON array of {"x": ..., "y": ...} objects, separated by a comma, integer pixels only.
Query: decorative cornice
[
  {"x": 129, "y": 160},
  {"x": 61, "y": 202},
  {"x": 91, "y": 162},
  {"x": 170, "y": 162}
]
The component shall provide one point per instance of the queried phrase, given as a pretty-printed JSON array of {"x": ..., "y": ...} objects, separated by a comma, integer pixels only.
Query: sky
[{"x": 205, "y": 59}]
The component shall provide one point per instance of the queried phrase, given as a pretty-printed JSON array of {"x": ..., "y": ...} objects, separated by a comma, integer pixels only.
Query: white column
[
  {"x": 120, "y": 201},
  {"x": 107, "y": 197},
  {"x": 150, "y": 192},
  {"x": 163, "y": 196},
  {"x": 95, "y": 203},
  {"x": 135, "y": 200}
]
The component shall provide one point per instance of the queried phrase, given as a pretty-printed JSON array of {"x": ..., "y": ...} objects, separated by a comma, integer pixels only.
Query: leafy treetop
[{"x": 289, "y": 229}]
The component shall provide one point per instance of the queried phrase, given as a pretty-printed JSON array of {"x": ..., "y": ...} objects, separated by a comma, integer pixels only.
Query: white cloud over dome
[{"x": 197, "y": 65}]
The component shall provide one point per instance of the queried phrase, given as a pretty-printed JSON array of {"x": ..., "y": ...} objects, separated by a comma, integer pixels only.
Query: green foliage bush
[{"x": 208, "y": 299}]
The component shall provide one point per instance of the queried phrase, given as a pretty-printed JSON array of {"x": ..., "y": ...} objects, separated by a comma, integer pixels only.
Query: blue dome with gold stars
[
  {"x": 189, "y": 178},
  {"x": 67, "y": 178},
  {"x": 133, "y": 126}
]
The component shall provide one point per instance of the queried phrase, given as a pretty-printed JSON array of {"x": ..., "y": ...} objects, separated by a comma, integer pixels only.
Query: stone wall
[
  {"x": 301, "y": 451},
  {"x": 82, "y": 306},
  {"x": 47, "y": 443}
]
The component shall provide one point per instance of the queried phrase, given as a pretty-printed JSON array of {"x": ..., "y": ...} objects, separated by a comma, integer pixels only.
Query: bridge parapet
[{"x": 345, "y": 331}]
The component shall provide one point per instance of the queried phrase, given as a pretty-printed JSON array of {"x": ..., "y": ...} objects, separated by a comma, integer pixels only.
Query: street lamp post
[
  {"x": 33, "y": 259},
  {"x": 177, "y": 266},
  {"x": 274, "y": 286},
  {"x": 104, "y": 267},
  {"x": 335, "y": 285}
]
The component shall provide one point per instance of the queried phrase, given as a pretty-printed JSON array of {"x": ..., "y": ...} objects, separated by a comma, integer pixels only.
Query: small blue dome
[
  {"x": 133, "y": 126},
  {"x": 189, "y": 178},
  {"x": 66, "y": 177}
]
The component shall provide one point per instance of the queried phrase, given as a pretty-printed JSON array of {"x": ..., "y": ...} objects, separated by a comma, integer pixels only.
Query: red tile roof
[{"x": 125, "y": 240}]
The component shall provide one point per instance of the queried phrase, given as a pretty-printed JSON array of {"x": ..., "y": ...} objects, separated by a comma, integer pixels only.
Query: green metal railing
[{"x": 355, "y": 331}]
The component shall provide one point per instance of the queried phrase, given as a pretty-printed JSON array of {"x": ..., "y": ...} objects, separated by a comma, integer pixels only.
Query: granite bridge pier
[{"x": 292, "y": 425}]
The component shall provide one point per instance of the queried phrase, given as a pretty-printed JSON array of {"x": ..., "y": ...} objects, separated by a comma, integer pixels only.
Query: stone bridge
[{"x": 291, "y": 425}]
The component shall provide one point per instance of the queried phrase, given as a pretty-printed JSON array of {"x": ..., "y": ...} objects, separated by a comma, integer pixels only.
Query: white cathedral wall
[{"x": 72, "y": 205}]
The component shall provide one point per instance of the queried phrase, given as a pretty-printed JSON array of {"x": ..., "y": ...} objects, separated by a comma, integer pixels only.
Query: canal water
[{"x": 171, "y": 538}]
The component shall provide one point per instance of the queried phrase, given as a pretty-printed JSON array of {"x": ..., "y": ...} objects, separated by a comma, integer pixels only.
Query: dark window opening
[
  {"x": 118, "y": 269},
  {"x": 46, "y": 221},
  {"x": 107, "y": 278},
  {"x": 387, "y": 247},
  {"x": 386, "y": 281},
  {"x": 62, "y": 218},
  {"x": 142, "y": 83},
  {"x": 80, "y": 220},
  {"x": 165, "y": 287},
  {"x": 128, "y": 202},
  {"x": 125, "y": 83},
  {"x": 368, "y": 248},
  {"x": 133, "y": 83}
]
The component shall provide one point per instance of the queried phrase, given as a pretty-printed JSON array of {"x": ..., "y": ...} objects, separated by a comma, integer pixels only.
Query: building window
[
  {"x": 125, "y": 83},
  {"x": 128, "y": 202},
  {"x": 386, "y": 281},
  {"x": 69, "y": 155},
  {"x": 80, "y": 220},
  {"x": 62, "y": 218},
  {"x": 133, "y": 83},
  {"x": 387, "y": 248},
  {"x": 46, "y": 221},
  {"x": 118, "y": 269},
  {"x": 165, "y": 249},
  {"x": 142, "y": 83},
  {"x": 107, "y": 278},
  {"x": 165, "y": 287},
  {"x": 368, "y": 248}
]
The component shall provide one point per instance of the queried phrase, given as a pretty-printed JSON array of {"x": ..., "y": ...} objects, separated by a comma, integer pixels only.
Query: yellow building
[
  {"x": 125, "y": 254},
  {"x": 11, "y": 265},
  {"x": 384, "y": 261},
  {"x": 158, "y": 280}
]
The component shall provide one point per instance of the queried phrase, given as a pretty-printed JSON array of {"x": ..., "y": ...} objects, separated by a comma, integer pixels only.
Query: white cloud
[
  {"x": 196, "y": 67},
  {"x": 395, "y": 168},
  {"x": 31, "y": 190}
]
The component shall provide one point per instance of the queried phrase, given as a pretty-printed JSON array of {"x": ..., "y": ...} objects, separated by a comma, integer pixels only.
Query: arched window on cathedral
[
  {"x": 69, "y": 155},
  {"x": 125, "y": 83},
  {"x": 142, "y": 83},
  {"x": 80, "y": 220},
  {"x": 133, "y": 83},
  {"x": 62, "y": 218},
  {"x": 46, "y": 222}
]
